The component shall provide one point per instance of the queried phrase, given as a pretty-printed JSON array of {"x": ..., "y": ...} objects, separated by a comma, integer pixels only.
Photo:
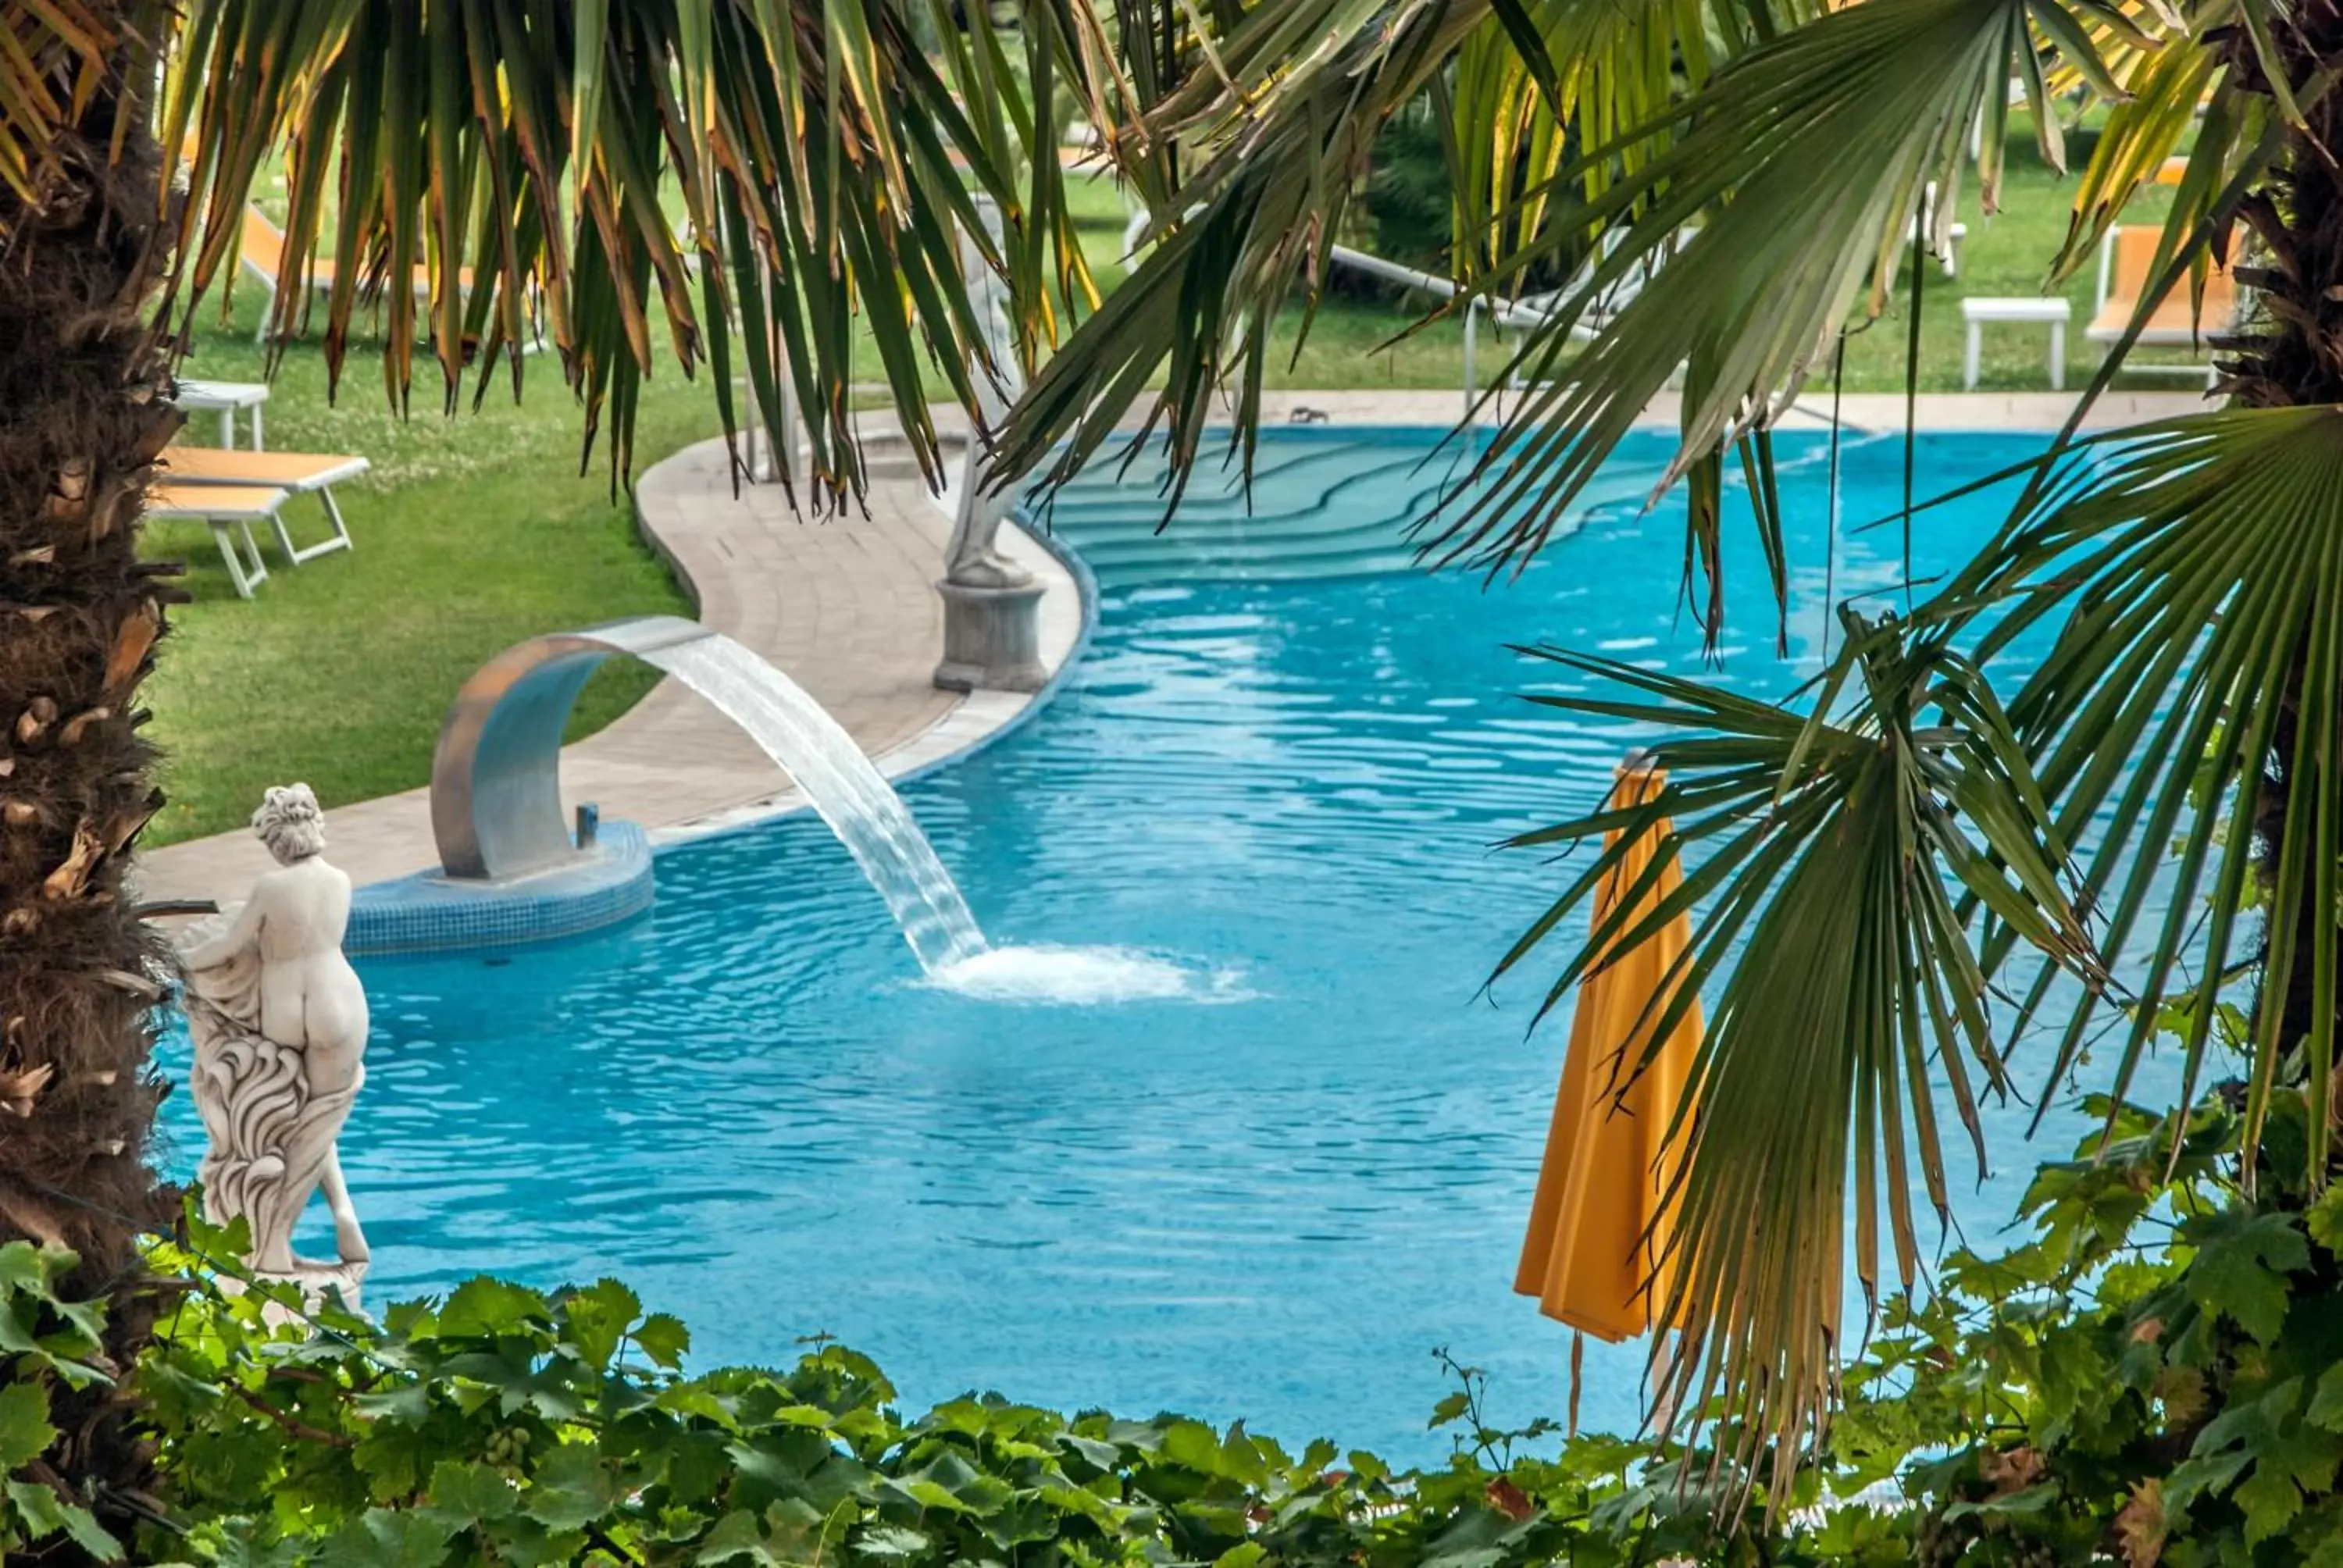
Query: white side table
[
  {"x": 225, "y": 398},
  {"x": 2052, "y": 312}
]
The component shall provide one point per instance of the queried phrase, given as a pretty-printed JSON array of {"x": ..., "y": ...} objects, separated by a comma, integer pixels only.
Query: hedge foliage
[{"x": 2154, "y": 1374}]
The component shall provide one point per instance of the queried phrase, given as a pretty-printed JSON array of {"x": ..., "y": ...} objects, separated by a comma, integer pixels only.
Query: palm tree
[
  {"x": 1905, "y": 860},
  {"x": 516, "y": 155}
]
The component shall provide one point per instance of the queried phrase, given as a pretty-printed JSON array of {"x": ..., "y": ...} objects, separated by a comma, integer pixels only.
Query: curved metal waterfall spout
[{"x": 496, "y": 787}]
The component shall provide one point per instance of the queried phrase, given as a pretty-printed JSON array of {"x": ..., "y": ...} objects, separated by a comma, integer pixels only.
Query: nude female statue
[{"x": 279, "y": 1021}]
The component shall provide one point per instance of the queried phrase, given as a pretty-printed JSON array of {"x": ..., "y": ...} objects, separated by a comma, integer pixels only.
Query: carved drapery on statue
[
  {"x": 279, "y": 1021},
  {"x": 270, "y": 1134}
]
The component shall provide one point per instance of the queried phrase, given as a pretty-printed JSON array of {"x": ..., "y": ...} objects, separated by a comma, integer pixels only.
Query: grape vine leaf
[
  {"x": 25, "y": 1430},
  {"x": 391, "y": 1538},
  {"x": 2241, "y": 1264},
  {"x": 595, "y": 1321},
  {"x": 464, "y": 1493},
  {"x": 571, "y": 1489},
  {"x": 2324, "y": 1219},
  {"x": 736, "y": 1539},
  {"x": 44, "y": 1513},
  {"x": 892, "y": 1541},
  {"x": 486, "y": 1307},
  {"x": 2327, "y": 1403},
  {"x": 663, "y": 1338}
]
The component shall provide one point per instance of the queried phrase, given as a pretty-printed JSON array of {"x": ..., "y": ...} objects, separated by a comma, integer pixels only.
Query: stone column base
[
  {"x": 992, "y": 638},
  {"x": 316, "y": 1281}
]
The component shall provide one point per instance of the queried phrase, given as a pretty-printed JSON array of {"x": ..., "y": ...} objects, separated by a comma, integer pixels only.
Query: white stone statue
[
  {"x": 970, "y": 560},
  {"x": 279, "y": 1021}
]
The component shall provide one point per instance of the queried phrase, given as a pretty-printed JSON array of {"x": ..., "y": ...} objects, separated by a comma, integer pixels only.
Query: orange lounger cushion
[
  {"x": 287, "y": 470},
  {"x": 232, "y": 503},
  {"x": 2177, "y": 318},
  {"x": 263, "y": 250}
]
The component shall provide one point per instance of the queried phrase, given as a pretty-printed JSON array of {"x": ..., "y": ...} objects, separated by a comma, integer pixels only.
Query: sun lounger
[
  {"x": 2126, "y": 258},
  {"x": 1624, "y": 290},
  {"x": 302, "y": 473},
  {"x": 230, "y": 510},
  {"x": 261, "y": 253},
  {"x": 1604, "y": 308}
]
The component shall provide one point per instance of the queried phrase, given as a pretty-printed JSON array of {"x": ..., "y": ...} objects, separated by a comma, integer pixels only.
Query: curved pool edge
[
  {"x": 753, "y": 571},
  {"x": 979, "y": 720},
  {"x": 1086, "y": 602}
]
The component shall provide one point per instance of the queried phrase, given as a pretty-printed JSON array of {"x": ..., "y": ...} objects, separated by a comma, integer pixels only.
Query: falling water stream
[
  {"x": 879, "y": 831},
  {"x": 869, "y": 817}
]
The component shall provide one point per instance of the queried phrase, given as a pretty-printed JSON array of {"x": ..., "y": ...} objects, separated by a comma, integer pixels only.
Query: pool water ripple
[{"x": 750, "y": 1105}]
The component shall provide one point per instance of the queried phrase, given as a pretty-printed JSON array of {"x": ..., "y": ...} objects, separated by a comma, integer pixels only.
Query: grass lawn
[{"x": 473, "y": 532}]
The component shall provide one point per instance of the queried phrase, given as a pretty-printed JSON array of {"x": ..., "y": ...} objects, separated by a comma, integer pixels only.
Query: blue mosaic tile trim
[{"x": 427, "y": 912}]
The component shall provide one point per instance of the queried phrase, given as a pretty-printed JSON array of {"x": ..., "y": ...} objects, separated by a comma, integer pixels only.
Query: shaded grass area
[{"x": 474, "y": 531}]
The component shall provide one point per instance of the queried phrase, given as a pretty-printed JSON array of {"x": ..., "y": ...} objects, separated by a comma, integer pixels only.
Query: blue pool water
[{"x": 1285, "y": 761}]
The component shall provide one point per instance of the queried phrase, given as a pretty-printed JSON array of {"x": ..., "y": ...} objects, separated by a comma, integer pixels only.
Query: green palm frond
[
  {"x": 2166, "y": 87},
  {"x": 762, "y": 183},
  {"x": 1276, "y": 122},
  {"x": 1542, "y": 76},
  {"x": 1275, "y": 119},
  {"x": 1824, "y": 859},
  {"x": 2189, "y": 700},
  {"x": 2265, "y": 22},
  {"x": 1860, "y": 878},
  {"x": 1796, "y": 170},
  {"x": 1797, "y": 174},
  {"x": 53, "y": 56}
]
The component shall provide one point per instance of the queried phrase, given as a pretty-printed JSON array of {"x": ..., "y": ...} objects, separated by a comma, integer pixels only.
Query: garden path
[{"x": 848, "y": 607}]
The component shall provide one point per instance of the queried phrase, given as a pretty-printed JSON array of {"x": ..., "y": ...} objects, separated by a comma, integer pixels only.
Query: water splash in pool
[
  {"x": 1083, "y": 976},
  {"x": 851, "y": 795}
]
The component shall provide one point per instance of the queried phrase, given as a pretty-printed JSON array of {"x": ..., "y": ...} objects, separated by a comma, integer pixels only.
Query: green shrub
[
  {"x": 504, "y": 1425},
  {"x": 1410, "y": 196},
  {"x": 2154, "y": 1375},
  {"x": 49, "y": 1342}
]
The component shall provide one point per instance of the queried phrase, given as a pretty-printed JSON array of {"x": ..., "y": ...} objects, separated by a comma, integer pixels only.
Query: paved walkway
[{"x": 848, "y": 609}]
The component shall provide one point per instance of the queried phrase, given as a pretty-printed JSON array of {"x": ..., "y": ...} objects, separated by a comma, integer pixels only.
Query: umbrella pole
[
  {"x": 1577, "y": 1374},
  {"x": 1659, "y": 1377}
]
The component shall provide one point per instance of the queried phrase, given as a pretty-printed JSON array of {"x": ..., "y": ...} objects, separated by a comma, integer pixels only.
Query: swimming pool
[{"x": 1283, "y": 762}]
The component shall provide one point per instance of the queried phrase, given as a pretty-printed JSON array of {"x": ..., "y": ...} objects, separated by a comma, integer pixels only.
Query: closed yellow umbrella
[{"x": 1590, "y": 1257}]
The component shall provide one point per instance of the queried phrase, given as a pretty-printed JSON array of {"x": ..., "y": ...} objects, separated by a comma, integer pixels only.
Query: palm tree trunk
[
  {"x": 83, "y": 415},
  {"x": 2293, "y": 358}
]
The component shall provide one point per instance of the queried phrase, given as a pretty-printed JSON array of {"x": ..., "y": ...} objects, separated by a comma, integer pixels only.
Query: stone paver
[{"x": 848, "y": 606}]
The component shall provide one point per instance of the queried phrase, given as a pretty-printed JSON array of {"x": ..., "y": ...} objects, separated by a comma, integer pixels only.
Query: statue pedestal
[
  {"x": 992, "y": 638},
  {"x": 317, "y": 1281}
]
